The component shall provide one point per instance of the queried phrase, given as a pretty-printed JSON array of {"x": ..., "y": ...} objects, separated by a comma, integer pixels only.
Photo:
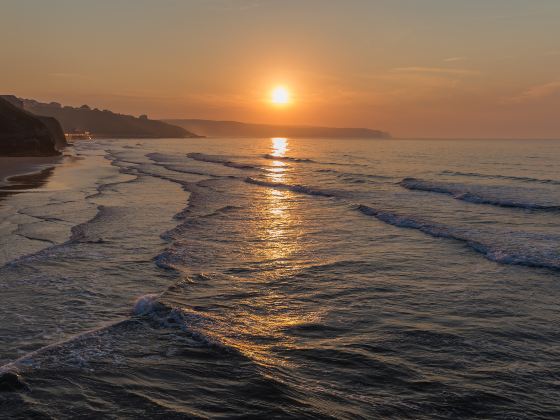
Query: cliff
[
  {"x": 105, "y": 124},
  {"x": 23, "y": 134},
  {"x": 56, "y": 131},
  {"x": 213, "y": 128}
]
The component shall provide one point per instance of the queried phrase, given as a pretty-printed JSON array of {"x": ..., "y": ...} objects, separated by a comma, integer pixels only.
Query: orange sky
[{"x": 416, "y": 68}]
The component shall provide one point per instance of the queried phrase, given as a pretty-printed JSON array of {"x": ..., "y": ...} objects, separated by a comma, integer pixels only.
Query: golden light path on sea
[{"x": 277, "y": 232}]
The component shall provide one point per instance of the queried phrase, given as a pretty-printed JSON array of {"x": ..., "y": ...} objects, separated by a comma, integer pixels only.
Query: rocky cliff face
[
  {"x": 56, "y": 131},
  {"x": 23, "y": 134}
]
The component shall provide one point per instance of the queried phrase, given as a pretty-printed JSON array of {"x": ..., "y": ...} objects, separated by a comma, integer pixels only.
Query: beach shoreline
[{"x": 25, "y": 173}]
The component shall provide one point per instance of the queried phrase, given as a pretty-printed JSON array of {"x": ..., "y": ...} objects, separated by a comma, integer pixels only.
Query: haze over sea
[{"x": 284, "y": 277}]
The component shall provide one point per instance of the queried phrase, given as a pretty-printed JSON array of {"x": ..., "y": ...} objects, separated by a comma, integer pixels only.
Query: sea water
[{"x": 196, "y": 278}]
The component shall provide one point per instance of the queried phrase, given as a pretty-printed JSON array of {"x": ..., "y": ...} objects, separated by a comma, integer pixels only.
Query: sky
[{"x": 416, "y": 68}]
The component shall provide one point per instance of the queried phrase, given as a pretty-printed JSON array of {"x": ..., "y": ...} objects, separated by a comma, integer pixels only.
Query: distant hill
[
  {"x": 105, "y": 124},
  {"x": 213, "y": 128},
  {"x": 25, "y": 134}
]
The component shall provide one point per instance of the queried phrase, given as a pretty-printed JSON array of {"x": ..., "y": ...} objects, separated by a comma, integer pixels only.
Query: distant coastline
[
  {"x": 104, "y": 123},
  {"x": 214, "y": 128}
]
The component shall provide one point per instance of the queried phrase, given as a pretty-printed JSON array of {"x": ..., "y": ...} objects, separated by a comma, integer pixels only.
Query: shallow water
[{"x": 286, "y": 278}]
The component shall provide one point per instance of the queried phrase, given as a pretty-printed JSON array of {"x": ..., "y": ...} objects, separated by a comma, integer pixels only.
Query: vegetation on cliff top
[{"x": 105, "y": 123}]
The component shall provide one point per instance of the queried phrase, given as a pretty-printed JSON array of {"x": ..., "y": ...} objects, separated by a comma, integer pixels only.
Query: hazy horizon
[{"x": 482, "y": 69}]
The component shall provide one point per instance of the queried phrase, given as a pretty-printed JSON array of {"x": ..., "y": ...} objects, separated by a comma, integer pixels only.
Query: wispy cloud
[
  {"x": 455, "y": 59},
  {"x": 535, "y": 93},
  {"x": 437, "y": 70}
]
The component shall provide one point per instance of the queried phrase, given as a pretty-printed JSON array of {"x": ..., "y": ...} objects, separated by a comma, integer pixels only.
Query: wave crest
[
  {"x": 288, "y": 159},
  {"x": 290, "y": 187},
  {"x": 468, "y": 193},
  {"x": 146, "y": 304},
  {"x": 510, "y": 177},
  {"x": 513, "y": 249},
  {"x": 221, "y": 160}
]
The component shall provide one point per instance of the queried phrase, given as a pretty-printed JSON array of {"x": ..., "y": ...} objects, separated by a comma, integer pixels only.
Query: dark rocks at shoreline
[
  {"x": 24, "y": 134},
  {"x": 11, "y": 382},
  {"x": 56, "y": 130}
]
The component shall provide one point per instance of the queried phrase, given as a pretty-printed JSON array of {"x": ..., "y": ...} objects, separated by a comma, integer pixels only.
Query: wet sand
[{"x": 24, "y": 173}]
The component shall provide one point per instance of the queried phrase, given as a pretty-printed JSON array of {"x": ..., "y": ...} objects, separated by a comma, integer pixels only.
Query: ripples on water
[{"x": 276, "y": 277}]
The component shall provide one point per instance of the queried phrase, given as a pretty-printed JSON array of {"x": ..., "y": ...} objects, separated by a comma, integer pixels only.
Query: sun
[{"x": 280, "y": 96}]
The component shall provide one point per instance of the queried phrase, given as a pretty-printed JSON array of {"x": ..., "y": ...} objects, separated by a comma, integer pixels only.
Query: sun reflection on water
[
  {"x": 277, "y": 171},
  {"x": 279, "y": 146},
  {"x": 278, "y": 232},
  {"x": 257, "y": 324},
  {"x": 259, "y": 321},
  {"x": 277, "y": 218}
]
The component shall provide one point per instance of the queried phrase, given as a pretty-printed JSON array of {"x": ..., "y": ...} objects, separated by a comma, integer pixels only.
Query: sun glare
[
  {"x": 280, "y": 95},
  {"x": 279, "y": 146}
]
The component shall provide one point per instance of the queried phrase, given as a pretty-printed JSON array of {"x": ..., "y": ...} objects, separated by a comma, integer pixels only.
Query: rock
[
  {"x": 24, "y": 134},
  {"x": 56, "y": 132},
  {"x": 11, "y": 381}
]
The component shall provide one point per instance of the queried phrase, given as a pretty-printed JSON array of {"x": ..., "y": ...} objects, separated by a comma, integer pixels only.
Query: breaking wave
[
  {"x": 288, "y": 159},
  {"x": 468, "y": 193},
  {"x": 146, "y": 304},
  {"x": 201, "y": 157},
  {"x": 307, "y": 160},
  {"x": 81, "y": 348},
  {"x": 515, "y": 248},
  {"x": 510, "y": 177},
  {"x": 294, "y": 188}
]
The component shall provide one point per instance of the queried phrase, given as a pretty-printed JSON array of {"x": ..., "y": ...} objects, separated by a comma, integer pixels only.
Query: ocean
[{"x": 285, "y": 278}]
